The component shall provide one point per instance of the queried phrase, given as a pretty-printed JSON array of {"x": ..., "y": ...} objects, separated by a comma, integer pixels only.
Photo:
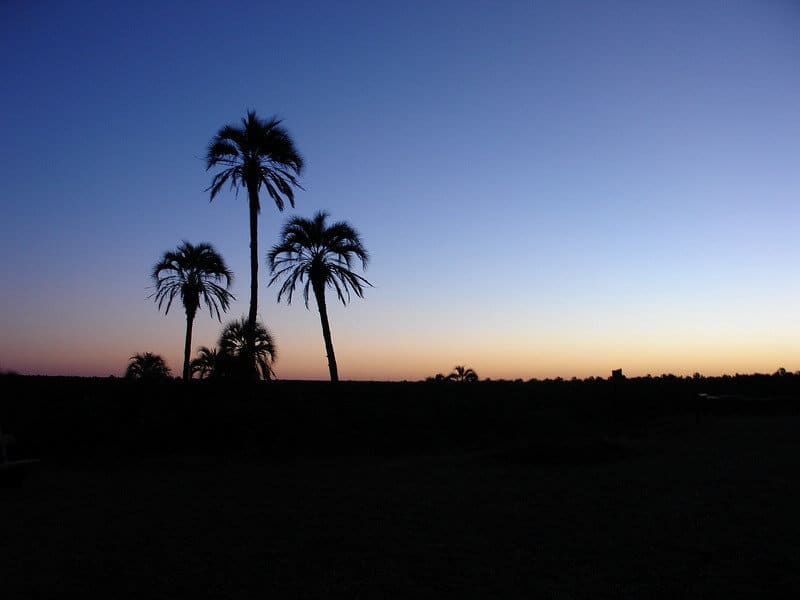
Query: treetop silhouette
[
  {"x": 147, "y": 367},
  {"x": 232, "y": 356},
  {"x": 205, "y": 363},
  {"x": 463, "y": 374}
]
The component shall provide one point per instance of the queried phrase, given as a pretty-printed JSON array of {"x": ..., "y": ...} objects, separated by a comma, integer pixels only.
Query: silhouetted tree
[
  {"x": 318, "y": 256},
  {"x": 195, "y": 274},
  {"x": 260, "y": 152},
  {"x": 438, "y": 378},
  {"x": 233, "y": 359},
  {"x": 462, "y": 374},
  {"x": 148, "y": 367},
  {"x": 205, "y": 363}
]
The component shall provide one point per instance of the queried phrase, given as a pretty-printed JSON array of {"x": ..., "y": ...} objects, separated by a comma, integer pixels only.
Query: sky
[{"x": 545, "y": 188}]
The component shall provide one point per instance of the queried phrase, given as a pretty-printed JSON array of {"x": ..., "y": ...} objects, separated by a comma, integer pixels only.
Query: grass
[{"x": 561, "y": 507}]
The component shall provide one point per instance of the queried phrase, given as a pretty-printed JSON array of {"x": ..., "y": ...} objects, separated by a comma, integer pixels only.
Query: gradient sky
[{"x": 546, "y": 188}]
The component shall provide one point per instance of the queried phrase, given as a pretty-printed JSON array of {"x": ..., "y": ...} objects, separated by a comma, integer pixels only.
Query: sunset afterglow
[{"x": 545, "y": 189}]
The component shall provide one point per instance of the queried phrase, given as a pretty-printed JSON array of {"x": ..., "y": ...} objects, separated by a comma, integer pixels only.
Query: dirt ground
[{"x": 694, "y": 511}]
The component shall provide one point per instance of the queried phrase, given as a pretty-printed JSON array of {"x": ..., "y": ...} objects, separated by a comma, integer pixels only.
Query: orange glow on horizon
[{"x": 552, "y": 354}]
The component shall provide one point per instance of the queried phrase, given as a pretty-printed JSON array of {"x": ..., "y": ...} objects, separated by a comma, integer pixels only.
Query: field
[{"x": 492, "y": 490}]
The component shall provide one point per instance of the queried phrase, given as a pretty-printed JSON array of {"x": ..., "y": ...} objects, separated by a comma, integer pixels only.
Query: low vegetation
[
  {"x": 59, "y": 417},
  {"x": 642, "y": 487},
  {"x": 147, "y": 366}
]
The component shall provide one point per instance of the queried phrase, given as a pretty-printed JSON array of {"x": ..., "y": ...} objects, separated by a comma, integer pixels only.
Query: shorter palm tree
[
  {"x": 205, "y": 363},
  {"x": 312, "y": 254},
  {"x": 197, "y": 275},
  {"x": 462, "y": 374},
  {"x": 232, "y": 358},
  {"x": 147, "y": 367}
]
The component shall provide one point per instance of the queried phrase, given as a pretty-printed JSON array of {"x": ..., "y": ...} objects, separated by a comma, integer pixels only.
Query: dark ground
[{"x": 531, "y": 494}]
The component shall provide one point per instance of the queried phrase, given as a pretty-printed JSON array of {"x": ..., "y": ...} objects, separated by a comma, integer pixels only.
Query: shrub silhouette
[
  {"x": 232, "y": 359},
  {"x": 147, "y": 367},
  {"x": 205, "y": 363},
  {"x": 462, "y": 374},
  {"x": 438, "y": 378}
]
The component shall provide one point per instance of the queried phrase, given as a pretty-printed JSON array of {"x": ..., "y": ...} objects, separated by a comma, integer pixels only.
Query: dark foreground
[{"x": 551, "y": 503}]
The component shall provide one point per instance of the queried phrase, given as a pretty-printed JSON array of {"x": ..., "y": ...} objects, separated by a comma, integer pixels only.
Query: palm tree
[
  {"x": 233, "y": 350},
  {"x": 312, "y": 254},
  {"x": 196, "y": 274},
  {"x": 147, "y": 366},
  {"x": 205, "y": 363},
  {"x": 463, "y": 375},
  {"x": 260, "y": 152}
]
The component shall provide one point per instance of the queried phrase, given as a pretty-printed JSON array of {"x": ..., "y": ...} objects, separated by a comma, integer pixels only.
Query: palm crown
[
  {"x": 311, "y": 253},
  {"x": 463, "y": 374},
  {"x": 147, "y": 366},
  {"x": 260, "y": 152},
  {"x": 205, "y": 363},
  {"x": 196, "y": 274},
  {"x": 233, "y": 343}
]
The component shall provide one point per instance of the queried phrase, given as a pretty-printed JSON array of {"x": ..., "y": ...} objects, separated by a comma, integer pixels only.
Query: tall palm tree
[
  {"x": 260, "y": 152},
  {"x": 196, "y": 274},
  {"x": 147, "y": 366},
  {"x": 233, "y": 349},
  {"x": 313, "y": 254},
  {"x": 463, "y": 375}
]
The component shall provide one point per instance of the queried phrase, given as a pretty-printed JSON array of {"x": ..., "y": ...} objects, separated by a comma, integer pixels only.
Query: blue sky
[{"x": 546, "y": 188}]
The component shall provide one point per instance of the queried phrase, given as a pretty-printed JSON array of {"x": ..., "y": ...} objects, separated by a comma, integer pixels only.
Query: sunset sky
[{"x": 546, "y": 188}]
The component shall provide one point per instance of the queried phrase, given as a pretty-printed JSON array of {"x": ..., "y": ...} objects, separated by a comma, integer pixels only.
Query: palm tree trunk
[
  {"x": 187, "y": 347},
  {"x": 319, "y": 293},
  {"x": 250, "y": 334}
]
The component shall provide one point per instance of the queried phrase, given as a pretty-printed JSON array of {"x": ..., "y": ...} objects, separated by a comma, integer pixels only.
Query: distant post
[{"x": 616, "y": 378}]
